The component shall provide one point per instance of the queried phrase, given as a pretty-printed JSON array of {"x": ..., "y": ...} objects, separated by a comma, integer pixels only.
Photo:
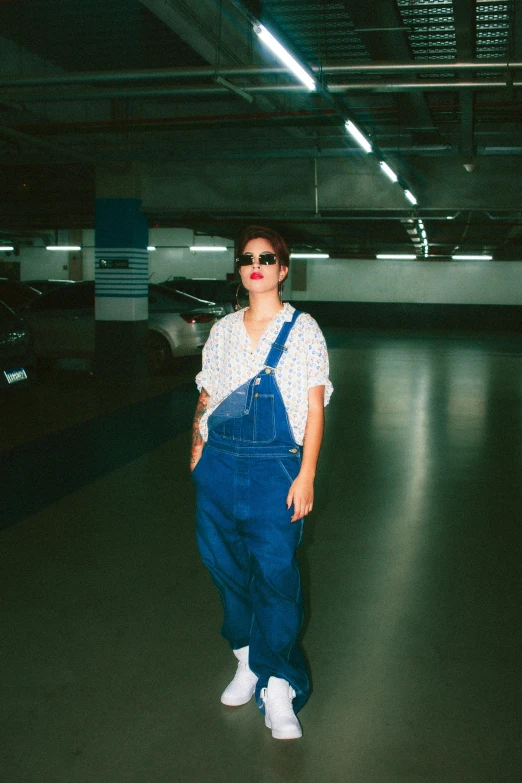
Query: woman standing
[{"x": 256, "y": 438}]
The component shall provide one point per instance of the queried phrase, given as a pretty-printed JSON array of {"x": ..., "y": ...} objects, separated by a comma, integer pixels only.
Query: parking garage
[{"x": 137, "y": 140}]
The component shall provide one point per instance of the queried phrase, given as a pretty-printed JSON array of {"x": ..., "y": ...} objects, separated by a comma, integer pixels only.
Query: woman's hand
[{"x": 301, "y": 495}]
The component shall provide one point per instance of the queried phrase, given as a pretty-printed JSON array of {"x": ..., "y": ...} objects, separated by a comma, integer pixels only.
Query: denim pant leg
[
  {"x": 272, "y": 540},
  {"x": 221, "y": 545}
]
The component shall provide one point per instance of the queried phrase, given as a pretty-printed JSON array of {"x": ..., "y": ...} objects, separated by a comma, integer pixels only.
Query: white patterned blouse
[{"x": 229, "y": 361}]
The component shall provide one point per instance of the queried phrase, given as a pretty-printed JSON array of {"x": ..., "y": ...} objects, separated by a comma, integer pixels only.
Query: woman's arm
[
  {"x": 197, "y": 440},
  {"x": 302, "y": 490}
]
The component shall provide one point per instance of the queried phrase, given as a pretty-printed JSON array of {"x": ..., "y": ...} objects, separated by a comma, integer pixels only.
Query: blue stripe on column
[
  {"x": 121, "y": 232},
  {"x": 122, "y": 282}
]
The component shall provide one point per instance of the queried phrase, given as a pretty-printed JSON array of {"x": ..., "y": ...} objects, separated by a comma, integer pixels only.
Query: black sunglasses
[{"x": 246, "y": 259}]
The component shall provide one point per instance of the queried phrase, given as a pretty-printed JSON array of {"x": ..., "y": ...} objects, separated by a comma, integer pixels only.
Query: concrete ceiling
[{"x": 437, "y": 85}]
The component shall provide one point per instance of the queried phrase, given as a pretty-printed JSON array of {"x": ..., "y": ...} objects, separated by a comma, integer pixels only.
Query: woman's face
[{"x": 259, "y": 278}]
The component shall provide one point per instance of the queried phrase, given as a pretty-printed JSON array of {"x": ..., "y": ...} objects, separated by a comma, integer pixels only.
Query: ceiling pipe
[
  {"x": 151, "y": 74},
  {"x": 165, "y": 92}
]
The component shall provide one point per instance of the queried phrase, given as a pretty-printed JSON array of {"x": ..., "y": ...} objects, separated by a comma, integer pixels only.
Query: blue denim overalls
[{"x": 244, "y": 532}]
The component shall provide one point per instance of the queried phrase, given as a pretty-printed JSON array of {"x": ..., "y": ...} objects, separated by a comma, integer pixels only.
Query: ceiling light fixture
[
  {"x": 282, "y": 54},
  {"x": 63, "y": 247},
  {"x": 6, "y": 248},
  {"x": 208, "y": 248},
  {"x": 359, "y": 137},
  {"x": 409, "y": 195},
  {"x": 397, "y": 256},
  {"x": 465, "y": 257},
  {"x": 151, "y": 247},
  {"x": 388, "y": 171},
  {"x": 309, "y": 255}
]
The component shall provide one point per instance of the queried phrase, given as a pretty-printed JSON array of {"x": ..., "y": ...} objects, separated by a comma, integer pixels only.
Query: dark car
[
  {"x": 16, "y": 354},
  {"x": 18, "y": 296},
  {"x": 221, "y": 292},
  {"x": 63, "y": 325},
  {"x": 47, "y": 285}
]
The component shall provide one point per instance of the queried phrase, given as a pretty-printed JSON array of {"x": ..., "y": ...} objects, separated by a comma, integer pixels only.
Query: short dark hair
[{"x": 279, "y": 245}]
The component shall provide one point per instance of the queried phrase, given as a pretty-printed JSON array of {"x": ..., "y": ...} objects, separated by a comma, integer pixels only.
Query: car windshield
[
  {"x": 79, "y": 296},
  {"x": 7, "y": 316},
  {"x": 209, "y": 290},
  {"x": 17, "y": 294},
  {"x": 164, "y": 299}
]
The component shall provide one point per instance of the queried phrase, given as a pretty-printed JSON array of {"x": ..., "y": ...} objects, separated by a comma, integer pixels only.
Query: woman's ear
[{"x": 283, "y": 272}]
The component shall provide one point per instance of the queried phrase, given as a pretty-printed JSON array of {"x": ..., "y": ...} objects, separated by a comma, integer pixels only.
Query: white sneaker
[
  {"x": 279, "y": 713},
  {"x": 242, "y": 687}
]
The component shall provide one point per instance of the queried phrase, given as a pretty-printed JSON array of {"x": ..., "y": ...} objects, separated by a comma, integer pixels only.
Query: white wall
[
  {"x": 456, "y": 282},
  {"x": 171, "y": 259},
  {"x": 37, "y": 263}
]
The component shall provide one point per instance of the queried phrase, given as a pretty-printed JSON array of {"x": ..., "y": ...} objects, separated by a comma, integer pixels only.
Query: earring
[
  {"x": 237, "y": 306},
  {"x": 280, "y": 290}
]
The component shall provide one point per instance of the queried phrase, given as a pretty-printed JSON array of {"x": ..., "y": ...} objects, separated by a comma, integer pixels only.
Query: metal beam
[
  {"x": 197, "y": 23},
  {"x": 390, "y": 46},
  {"x": 220, "y": 36},
  {"x": 464, "y": 15}
]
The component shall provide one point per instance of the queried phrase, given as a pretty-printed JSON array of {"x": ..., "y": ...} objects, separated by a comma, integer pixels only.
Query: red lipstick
[{"x": 256, "y": 276}]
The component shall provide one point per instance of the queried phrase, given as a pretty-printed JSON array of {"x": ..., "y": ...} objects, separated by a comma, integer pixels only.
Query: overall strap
[{"x": 278, "y": 346}]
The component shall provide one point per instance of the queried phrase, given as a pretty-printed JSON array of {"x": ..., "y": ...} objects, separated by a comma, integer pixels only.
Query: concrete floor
[{"x": 111, "y": 659}]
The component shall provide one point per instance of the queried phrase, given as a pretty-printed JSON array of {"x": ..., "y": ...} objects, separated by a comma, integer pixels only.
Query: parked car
[
  {"x": 47, "y": 285},
  {"x": 18, "y": 296},
  {"x": 221, "y": 292},
  {"x": 16, "y": 355},
  {"x": 63, "y": 325}
]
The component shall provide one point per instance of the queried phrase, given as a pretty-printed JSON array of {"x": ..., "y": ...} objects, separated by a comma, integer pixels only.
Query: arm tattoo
[{"x": 201, "y": 407}]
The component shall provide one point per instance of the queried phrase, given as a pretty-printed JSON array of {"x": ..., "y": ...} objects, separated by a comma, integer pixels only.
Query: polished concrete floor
[{"x": 111, "y": 659}]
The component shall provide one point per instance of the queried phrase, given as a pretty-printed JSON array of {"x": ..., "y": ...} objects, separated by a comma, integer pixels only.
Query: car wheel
[{"x": 160, "y": 355}]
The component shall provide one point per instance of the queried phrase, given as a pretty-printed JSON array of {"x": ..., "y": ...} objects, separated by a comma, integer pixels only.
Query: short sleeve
[
  {"x": 206, "y": 379},
  {"x": 318, "y": 364}
]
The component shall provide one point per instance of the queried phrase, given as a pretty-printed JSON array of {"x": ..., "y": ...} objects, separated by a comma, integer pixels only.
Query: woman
[{"x": 263, "y": 388}]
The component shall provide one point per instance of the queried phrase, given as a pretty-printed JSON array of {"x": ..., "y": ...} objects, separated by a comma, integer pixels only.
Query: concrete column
[{"x": 121, "y": 275}]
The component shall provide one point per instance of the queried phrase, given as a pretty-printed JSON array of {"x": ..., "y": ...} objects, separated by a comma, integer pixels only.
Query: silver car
[{"x": 63, "y": 325}]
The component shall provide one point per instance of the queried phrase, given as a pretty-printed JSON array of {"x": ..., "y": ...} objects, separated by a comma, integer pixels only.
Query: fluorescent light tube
[
  {"x": 151, "y": 247},
  {"x": 464, "y": 257},
  {"x": 208, "y": 249},
  {"x": 359, "y": 137},
  {"x": 402, "y": 256},
  {"x": 285, "y": 57},
  {"x": 388, "y": 171},
  {"x": 7, "y": 248},
  {"x": 63, "y": 247},
  {"x": 309, "y": 255},
  {"x": 409, "y": 195}
]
